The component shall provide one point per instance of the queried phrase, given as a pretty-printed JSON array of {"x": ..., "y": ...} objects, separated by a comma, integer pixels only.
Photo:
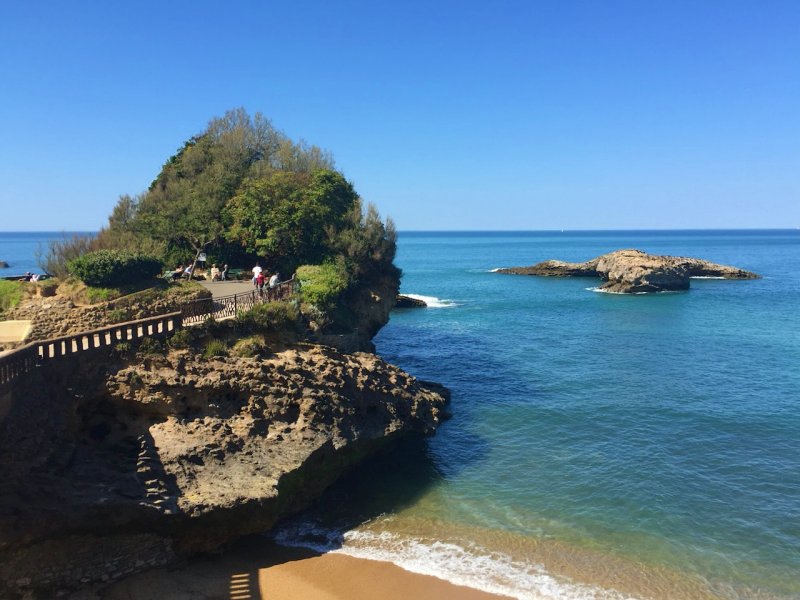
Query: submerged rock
[
  {"x": 4, "y": 264},
  {"x": 634, "y": 271}
]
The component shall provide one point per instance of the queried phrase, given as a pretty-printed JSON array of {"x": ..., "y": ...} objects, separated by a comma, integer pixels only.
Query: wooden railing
[
  {"x": 21, "y": 360},
  {"x": 223, "y": 307}
]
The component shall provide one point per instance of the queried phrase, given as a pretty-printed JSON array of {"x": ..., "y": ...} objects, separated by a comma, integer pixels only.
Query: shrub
[
  {"x": 118, "y": 315},
  {"x": 322, "y": 285},
  {"x": 151, "y": 345},
  {"x": 250, "y": 346},
  {"x": 215, "y": 348},
  {"x": 111, "y": 268},
  {"x": 11, "y": 293},
  {"x": 59, "y": 253},
  {"x": 180, "y": 339},
  {"x": 270, "y": 316}
]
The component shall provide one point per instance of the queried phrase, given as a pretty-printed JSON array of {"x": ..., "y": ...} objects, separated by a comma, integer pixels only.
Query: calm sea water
[
  {"x": 601, "y": 446},
  {"x": 20, "y": 249},
  {"x": 644, "y": 444}
]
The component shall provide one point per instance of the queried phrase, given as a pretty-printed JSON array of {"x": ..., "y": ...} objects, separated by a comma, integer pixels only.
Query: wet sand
[{"x": 259, "y": 569}]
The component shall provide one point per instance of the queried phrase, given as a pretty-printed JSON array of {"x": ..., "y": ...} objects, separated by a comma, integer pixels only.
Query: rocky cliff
[
  {"x": 634, "y": 271},
  {"x": 114, "y": 462}
]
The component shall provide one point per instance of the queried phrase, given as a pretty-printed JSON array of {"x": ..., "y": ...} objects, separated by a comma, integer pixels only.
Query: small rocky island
[{"x": 635, "y": 272}]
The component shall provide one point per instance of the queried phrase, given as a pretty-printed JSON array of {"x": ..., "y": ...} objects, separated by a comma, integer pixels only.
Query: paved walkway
[{"x": 227, "y": 288}]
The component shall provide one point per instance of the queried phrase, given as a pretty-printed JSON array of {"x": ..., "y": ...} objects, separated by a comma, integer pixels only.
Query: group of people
[
  {"x": 260, "y": 279},
  {"x": 216, "y": 274},
  {"x": 29, "y": 277}
]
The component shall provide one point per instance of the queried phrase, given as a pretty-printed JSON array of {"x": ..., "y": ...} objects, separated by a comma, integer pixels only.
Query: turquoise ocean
[{"x": 600, "y": 445}]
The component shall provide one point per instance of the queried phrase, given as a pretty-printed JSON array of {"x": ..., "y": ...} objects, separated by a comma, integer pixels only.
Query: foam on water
[
  {"x": 470, "y": 565},
  {"x": 433, "y": 301},
  {"x": 602, "y": 291}
]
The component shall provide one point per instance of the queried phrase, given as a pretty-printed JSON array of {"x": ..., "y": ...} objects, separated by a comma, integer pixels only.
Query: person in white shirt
[
  {"x": 273, "y": 281},
  {"x": 256, "y": 270}
]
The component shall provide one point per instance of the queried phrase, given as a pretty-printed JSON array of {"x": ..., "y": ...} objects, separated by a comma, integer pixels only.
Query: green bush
[
  {"x": 151, "y": 345},
  {"x": 180, "y": 339},
  {"x": 270, "y": 316},
  {"x": 118, "y": 315},
  {"x": 112, "y": 268},
  {"x": 322, "y": 285},
  {"x": 215, "y": 348},
  {"x": 250, "y": 346},
  {"x": 11, "y": 292}
]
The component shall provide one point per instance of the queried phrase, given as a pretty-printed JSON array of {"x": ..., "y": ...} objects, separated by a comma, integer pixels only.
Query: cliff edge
[{"x": 115, "y": 462}]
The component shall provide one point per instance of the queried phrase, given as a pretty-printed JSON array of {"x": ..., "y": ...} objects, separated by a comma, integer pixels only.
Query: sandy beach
[{"x": 257, "y": 568}]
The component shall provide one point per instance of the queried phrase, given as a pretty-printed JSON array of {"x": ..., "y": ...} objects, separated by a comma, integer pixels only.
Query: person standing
[
  {"x": 260, "y": 281},
  {"x": 223, "y": 276},
  {"x": 256, "y": 270}
]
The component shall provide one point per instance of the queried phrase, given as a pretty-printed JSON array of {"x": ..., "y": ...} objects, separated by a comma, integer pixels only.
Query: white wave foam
[
  {"x": 472, "y": 566},
  {"x": 705, "y": 277},
  {"x": 602, "y": 291},
  {"x": 495, "y": 270},
  {"x": 433, "y": 301}
]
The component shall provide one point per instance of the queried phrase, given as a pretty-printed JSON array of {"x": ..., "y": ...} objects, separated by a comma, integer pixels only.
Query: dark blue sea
[{"x": 601, "y": 445}]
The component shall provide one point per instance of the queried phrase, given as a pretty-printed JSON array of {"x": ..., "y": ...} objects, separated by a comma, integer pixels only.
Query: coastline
[{"x": 256, "y": 567}]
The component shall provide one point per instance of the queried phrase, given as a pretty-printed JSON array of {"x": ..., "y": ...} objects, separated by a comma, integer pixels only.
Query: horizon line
[{"x": 554, "y": 230}]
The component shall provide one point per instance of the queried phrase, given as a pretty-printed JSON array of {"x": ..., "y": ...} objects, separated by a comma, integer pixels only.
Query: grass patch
[
  {"x": 278, "y": 317},
  {"x": 11, "y": 292},
  {"x": 250, "y": 347},
  {"x": 151, "y": 346},
  {"x": 118, "y": 315},
  {"x": 215, "y": 348},
  {"x": 95, "y": 295}
]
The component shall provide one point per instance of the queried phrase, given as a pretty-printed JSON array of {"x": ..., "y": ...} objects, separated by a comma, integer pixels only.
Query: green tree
[{"x": 286, "y": 217}]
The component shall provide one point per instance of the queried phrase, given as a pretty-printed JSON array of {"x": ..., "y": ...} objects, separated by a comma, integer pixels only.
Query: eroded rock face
[
  {"x": 188, "y": 452},
  {"x": 634, "y": 271}
]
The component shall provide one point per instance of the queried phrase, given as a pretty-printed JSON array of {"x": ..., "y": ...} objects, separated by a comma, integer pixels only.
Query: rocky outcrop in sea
[
  {"x": 409, "y": 302},
  {"x": 634, "y": 271}
]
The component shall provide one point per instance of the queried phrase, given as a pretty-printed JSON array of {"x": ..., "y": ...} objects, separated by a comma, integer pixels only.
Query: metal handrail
[{"x": 223, "y": 307}]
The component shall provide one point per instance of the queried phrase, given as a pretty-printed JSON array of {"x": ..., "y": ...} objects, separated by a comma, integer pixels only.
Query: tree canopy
[{"x": 242, "y": 191}]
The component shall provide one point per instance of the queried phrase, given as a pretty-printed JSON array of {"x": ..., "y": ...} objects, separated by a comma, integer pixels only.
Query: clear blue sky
[{"x": 446, "y": 115}]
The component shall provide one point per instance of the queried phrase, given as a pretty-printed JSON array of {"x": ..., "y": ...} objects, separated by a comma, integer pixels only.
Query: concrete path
[
  {"x": 14, "y": 331},
  {"x": 227, "y": 288}
]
